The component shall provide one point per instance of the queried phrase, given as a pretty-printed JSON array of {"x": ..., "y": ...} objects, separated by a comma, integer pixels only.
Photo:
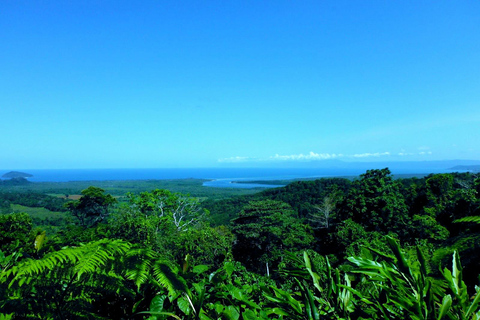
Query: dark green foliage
[
  {"x": 31, "y": 199},
  {"x": 402, "y": 291},
  {"x": 264, "y": 230},
  {"x": 223, "y": 211},
  {"x": 175, "y": 265},
  {"x": 67, "y": 284},
  {"x": 151, "y": 217},
  {"x": 16, "y": 181},
  {"x": 5, "y": 206},
  {"x": 204, "y": 245},
  {"x": 15, "y": 231},
  {"x": 304, "y": 196},
  {"x": 375, "y": 201},
  {"x": 92, "y": 208},
  {"x": 172, "y": 224}
]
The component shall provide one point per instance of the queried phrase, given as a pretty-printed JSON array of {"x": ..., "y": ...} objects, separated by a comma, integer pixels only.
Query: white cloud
[
  {"x": 234, "y": 159},
  {"x": 368, "y": 155},
  {"x": 421, "y": 151},
  {"x": 422, "y": 148},
  {"x": 311, "y": 156}
]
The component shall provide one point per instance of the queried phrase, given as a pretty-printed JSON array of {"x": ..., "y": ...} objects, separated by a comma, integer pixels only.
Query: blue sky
[{"x": 145, "y": 84}]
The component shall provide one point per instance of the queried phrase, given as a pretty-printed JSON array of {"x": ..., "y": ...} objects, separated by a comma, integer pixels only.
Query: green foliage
[
  {"x": 204, "y": 245},
  {"x": 174, "y": 208},
  {"x": 305, "y": 196},
  {"x": 73, "y": 279},
  {"x": 426, "y": 227},
  {"x": 193, "y": 294},
  {"x": 375, "y": 201},
  {"x": 32, "y": 199},
  {"x": 302, "y": 196},
  {"x": 42, "y": 217},
  {"x": 475, "y": 219},
  {"x": 176, "y": 265},
  {"x": 119, "y": 188},
  {"x": 322, "y": 294},
  {"x": 15, "y": 230},
  {"x": 92, "y": 207},
  {"x": 264, "y": 230},
  {"x": 166, "y": 222},
  {"x": 406, "y": 292},
  {"x": 352, "y": 238}
]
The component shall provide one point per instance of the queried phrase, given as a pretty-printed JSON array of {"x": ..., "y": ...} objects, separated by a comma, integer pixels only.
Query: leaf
[
  {"x": 184, "y": 305},
  {"x": 231, "y": 312},
  {"x": 278, "y": 311},
  {"x": 168, "y": 278},
  {"x": 475, "y": 219},
  {"x": 200, "y": 269},
  {"x": 474, "y": 305},
  {"x": 402, "y": 263},
  {"x": 249, "y": 315},
  {"x": 156, "y": 305},
  {"x": 423, "y": 264},
  {"x": 39, "y": 241},
  {"x": 169, "y": 314},
  {"x": 445, "y": 307},
  {"x": 229, "y": 267}
]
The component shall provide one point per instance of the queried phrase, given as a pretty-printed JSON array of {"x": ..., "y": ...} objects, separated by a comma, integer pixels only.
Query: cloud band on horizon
[{"x": 312, "y": 156}]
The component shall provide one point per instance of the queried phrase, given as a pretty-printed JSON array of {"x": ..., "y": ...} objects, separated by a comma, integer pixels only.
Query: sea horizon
[{"x": 226, "y": 174}]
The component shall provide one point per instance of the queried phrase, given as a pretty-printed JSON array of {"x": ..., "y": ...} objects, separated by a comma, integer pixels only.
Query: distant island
[
  {"x": 16, "y": 175},
  {"x": 474, "y": 168}
]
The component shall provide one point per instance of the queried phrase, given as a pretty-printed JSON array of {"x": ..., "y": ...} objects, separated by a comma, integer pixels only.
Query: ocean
[{"x": 220, "y": 177}]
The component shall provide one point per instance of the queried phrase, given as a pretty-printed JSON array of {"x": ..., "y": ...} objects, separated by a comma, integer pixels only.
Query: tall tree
[
  {"x": 92, "y": 208},
  {"x": 375, "y": 201},
  {"x": 264, "y": 230}
]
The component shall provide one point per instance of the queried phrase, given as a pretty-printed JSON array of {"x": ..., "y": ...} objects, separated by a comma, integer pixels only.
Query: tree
[
  {"x": 264, "y": 230},
  {"x": 15, "y": 230},
  {"x": 156, "y": 218},
  {"x": 324, "y": 213},
  {"x": 92, "y": 208},
  {"x": 375, "y": 201}
]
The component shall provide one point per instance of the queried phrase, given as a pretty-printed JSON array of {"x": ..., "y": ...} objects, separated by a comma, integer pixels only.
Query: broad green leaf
[
  {"x": 156, "y": 305},
  {"x": 445, "y": 307},
  {"x": 200, "y": 269},
  {"x": 184, "y": 305},
  {"x": 231, "y": 313},
  {"x": 249, "y": 315},
  {"x": 229, "y": 267},
  {"x": 474, "y": 305},
  {"x": 168, "y": 314}
]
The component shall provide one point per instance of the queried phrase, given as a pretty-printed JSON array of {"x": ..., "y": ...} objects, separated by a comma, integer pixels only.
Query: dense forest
[{"x": 373, "y": 247}]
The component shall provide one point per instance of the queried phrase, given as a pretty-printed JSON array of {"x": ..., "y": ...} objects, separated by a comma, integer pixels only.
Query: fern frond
[
  {"x": 85, "y": 259},
  {"x": 138, "y": 265},
  {"x": 475, "y": 219},
  {"x": 167, "y": 275}
]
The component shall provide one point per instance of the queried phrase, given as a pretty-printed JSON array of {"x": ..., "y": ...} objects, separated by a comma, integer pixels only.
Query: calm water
[{"x": 221, "y": 177}]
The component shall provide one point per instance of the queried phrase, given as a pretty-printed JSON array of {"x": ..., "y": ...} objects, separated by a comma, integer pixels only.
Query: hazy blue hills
[{"x": 475, "y": 168}]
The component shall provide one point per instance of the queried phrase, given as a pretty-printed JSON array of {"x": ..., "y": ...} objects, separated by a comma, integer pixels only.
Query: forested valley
[{"x": 373, "y": 247}]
